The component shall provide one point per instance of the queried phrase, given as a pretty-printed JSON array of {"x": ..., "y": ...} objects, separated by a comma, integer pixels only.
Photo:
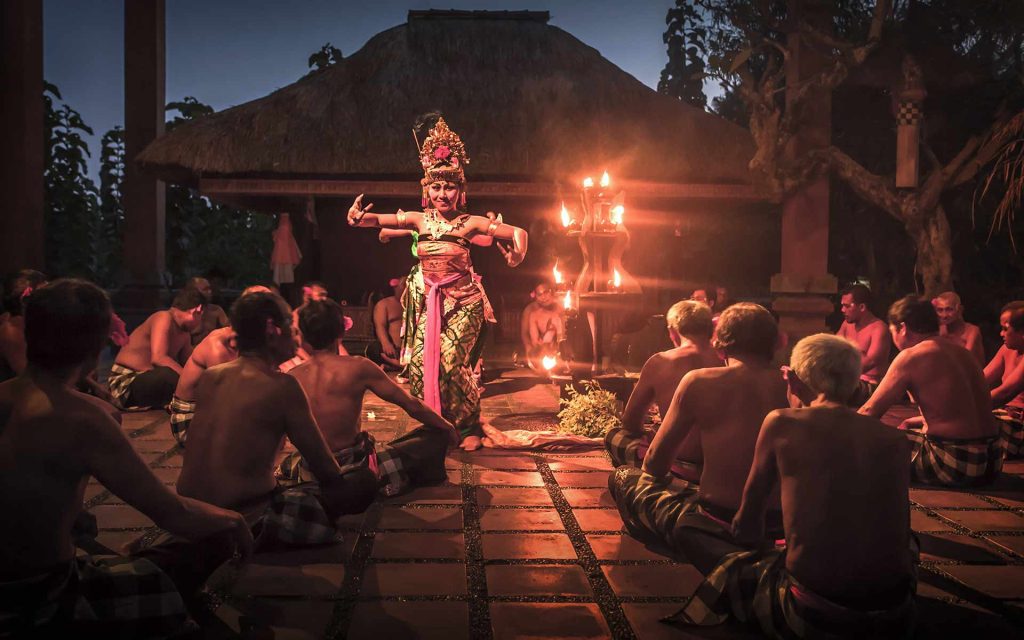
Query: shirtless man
[
  {"x": 335, "y": 386},
  {"x": 17, "y": 288},
  {"x": 689, "y": 328},
  {"x": 244, "y": 410},
  {"x": 1004, "y": 375},
  {"x": 52, "y": 439},
  {"x": 956, "y": 439},
  {"x": 952, "y": 325},
  {"x": 311, "y": 291},
  {"x": 146, "y": 370},
  {"x": 837, "y": 577},
  {"x": 387, "y": 324},
  {"x": 715, "y": 416},
  {"x": 541, "y": 327},
  {"x": 864, "y": 329},
  {"x": 213, "y": 315}
]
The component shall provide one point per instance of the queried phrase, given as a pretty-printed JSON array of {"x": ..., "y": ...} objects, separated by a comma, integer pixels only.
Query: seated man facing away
[
  {"x": 244, "y": 410},
  {"x": 953, "y": 327},
  {"x": 956, "y": 439},
  {"x": 146, "y": 369},
  {"x": 864, "y": 329},
  {"x": 1005, "y": 377},
  {"x": 851, "y": 576},
  {"x": 541, "y": 327},
  {"x": 52, "y": 439},
  {"x": 689, "y": 328},
  {"x": 216, "y": 348},
  {"x": 17, "y": 288},
  {"x": 213, "y": 316},
  {"x": 335, "y": 386},
  {"x": 716, "y": 412}
]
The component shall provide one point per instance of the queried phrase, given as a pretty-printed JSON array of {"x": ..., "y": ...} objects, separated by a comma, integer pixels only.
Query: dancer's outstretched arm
[
  {"x": 501, "y": 231},
  {"x": 360, "y": 216}
]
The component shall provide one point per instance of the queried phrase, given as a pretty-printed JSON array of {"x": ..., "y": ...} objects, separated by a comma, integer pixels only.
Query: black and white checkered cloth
[
  {"x": 909, "y": 113},
  {"x": 295, "y": 517},
  {"x": 182, "y": 412},
  {"x": 1011, "y": 430},
  {"x": 119, "y": 381},
  {"x": 626, "y": 447},
  {"x": 651, "y": 507},
  {"x": 954, "y": 463},
  {"x": 386, "y": 464}
]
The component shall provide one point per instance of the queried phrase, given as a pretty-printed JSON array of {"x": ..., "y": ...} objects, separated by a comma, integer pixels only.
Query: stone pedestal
[{"x": 803, "y": 303}]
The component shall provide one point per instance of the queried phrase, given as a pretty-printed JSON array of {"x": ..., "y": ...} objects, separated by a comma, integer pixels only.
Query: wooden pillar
[
  {"x": 144, "y": 242},
  {"x": 22, "y": 232},
  {"x": 801, "y": 288}
]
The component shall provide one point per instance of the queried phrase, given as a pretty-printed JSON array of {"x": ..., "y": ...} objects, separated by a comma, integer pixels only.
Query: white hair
[{"x": 827, "y": 364}]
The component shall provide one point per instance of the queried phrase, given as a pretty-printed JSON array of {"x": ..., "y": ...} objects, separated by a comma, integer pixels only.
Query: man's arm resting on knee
[
  {"x": 385, "y": 388},
  {"x": 160, "y": 343},
  {"x": 890, "y": 390},
  {"x": 641, "y": 398},
  {"x": 109, "y": 457},
  {"x": 1010, "y": 387},
  {"x": 669, "y": 439},
  {"x": 748, "y": 524}
]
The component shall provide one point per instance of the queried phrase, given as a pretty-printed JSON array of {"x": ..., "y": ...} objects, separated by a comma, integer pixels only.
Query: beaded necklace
[{"x": 436, "y": 226}]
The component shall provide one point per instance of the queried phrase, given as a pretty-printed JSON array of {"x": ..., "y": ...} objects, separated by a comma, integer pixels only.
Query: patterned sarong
[
  {"x": 651, "y": 507},
  {"x": 182, "y": 412},
  {"x": 1011, "y": 430},
  {"x": 629, "y": 448},
  {"x": 116, "y": 598},
  {"x": 954, "y": 463},
  {"x": 863, "y": 392},
  {"x": 295, "y": 516},
  {"x": 120, "y": 381}
]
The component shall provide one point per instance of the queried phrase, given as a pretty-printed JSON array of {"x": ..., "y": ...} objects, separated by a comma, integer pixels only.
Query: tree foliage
[
  {"x": 683, "y": 76},
  {"x": 327, "y": 56}
]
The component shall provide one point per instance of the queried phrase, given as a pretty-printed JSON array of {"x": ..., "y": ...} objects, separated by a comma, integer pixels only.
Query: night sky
[{"x": 226, "y": 52}]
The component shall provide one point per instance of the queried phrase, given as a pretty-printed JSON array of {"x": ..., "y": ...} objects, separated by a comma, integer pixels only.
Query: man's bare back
[
  {"x": 660, "y": 378},
  {"x": 966, "y": 335},
  {"x": 865, "y": 553},
  {"x": 872, "y": 338},
  {"x": 158, "y": 341},
  {"x": 216, "y": 348},
  {"x": 948, "y": 385}
]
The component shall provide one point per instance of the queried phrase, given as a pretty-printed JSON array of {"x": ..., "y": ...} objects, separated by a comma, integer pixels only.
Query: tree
[
  {"x": 683, "y": 76},
  {"x": 327, "y": 56},
  {"x": 748, "y": 45},
  {"x": 111, "y": 209}
]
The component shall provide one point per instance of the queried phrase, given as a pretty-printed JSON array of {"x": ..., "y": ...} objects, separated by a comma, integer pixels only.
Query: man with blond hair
[
  {"x": 714, "y": 416},
  {"x": 953, "y": 327},
  {"x": 689, "y": 328},
  {"x": 852, "y": 576}
]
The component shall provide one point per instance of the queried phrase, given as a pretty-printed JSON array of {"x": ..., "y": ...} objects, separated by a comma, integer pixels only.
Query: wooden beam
[{"x": 214, "y": 187}]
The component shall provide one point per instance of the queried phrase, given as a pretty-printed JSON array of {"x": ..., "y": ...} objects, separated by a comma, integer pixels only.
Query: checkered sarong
[
  {"x": 862, "y": 393},
  {"x": 120, "y": 381},
  {"x": 182, "y": 412},
  {"x": 651, "y": 507},
  {"x": 380, "y": 459},
  {"x": 954, "y": 463},
  {"x": 629, "y": 448},
  {"x": 295, "y": 517},
  {"x": 1011, "y": 430},
  {"x": 116, "y": 597}
]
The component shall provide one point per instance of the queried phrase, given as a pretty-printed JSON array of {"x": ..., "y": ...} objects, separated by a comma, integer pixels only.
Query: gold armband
[
  {"x": 493, "y": 227},
  {"x": 400, "y": 216}
]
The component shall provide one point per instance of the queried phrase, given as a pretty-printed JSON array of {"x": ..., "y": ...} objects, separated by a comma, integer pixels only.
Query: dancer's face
[{"x": 444, "y": 196}]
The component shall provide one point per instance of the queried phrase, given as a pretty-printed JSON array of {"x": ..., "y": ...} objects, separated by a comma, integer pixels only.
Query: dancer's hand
[
  {"x": 357, "y": 211},
  {"x": 512, "y": 258}
]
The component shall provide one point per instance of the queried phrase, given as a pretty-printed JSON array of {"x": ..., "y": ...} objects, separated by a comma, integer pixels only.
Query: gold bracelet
[
  {"x": 400, "y": 216},
  {"x": 493, "y": 227}
]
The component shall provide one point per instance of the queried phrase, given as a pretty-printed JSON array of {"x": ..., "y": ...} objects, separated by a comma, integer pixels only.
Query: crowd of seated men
[
  {"x": 233, "y": 407},
  {"x": 741, "y": 476}
]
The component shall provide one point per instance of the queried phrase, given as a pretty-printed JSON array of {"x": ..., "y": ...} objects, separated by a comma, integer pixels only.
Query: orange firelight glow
[
  {"x": 617, "y": 213},
  {"x": 616, "y": 279},
  {"x": 588, "y": 182},
  {"x": 567, "y": 301},
  {"x": 556, "y": 273},
  {"x": 605, "y": 180},
  {"x": 566, "y": 218},
  {"x": 549, "y": 362}
]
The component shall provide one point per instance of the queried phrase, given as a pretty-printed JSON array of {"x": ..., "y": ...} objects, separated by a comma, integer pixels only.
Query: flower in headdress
[{"x": 442, "y": 152}]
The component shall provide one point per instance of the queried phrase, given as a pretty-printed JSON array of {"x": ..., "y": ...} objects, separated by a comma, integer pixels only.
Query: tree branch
[{"x": 869, "y": 186}]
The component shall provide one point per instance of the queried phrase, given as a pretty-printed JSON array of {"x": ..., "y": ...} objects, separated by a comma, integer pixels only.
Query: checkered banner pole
[{"x": 908, "y": 134}]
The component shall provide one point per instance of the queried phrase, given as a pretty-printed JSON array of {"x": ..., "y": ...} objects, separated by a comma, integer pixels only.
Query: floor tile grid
[
  {"x": 355, "y": 568},
  {"x": 149, "y": 427},
  {"x": 1008, "y": 556}
]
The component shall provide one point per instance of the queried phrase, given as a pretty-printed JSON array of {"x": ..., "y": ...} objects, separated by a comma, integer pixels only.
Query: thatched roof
[{"x": 530, "y": 101}]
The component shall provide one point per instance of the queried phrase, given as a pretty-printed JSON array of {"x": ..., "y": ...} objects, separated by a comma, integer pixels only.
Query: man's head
[
  {"x": 705, "y": 295},
  {"x": 203, "y": 286},
  {"x": 398, "y": 286},
  {"x": 911, "y": 319},
  {"x": 66, "y": 325},
  {"x": 444, "y": 195},
  {"x": 263, "y": 326},
  {"x": 746, "y": 329},
  {"x": 947, "y": 307},
  {"x": 855, "y": 302},
  {"x": 722, "y": 297},
  {"x": 256, "y": 288},
  {"x": 18, "y": 286},
  {"x": 1011, "y": 325},
  {"x": 187, "y": 308},
  {"x": 689, "y": 319},
  {"x": 322, "y": 324},
  {"x": 313, "y": 291},
  {"x": 544, "y": 295},
  {"x": 826, "y": 365}
]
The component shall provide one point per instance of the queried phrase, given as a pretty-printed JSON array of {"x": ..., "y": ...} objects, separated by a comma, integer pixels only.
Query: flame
[
  {"x": 617, "y": 213},
  {"x": 567, "y": 301},
  {"x": 616, "y": 279},
  {"x": 605, "y": 180},
  {"x": 566, "y": 218},
  {"x": 556, "y": 273},
  {"x": 549, "y": 362},
  {"x": 588, "y": 182}
]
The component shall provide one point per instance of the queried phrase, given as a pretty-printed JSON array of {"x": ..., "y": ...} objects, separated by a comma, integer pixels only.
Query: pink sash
[{"x": 432, "y": 340}]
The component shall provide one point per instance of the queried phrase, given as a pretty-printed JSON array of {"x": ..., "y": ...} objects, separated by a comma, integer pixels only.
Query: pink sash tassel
[{"x": 432, "y": 341}]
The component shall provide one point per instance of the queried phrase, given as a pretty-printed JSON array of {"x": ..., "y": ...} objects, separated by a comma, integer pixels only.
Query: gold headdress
[{"x": 443, "y": 157}]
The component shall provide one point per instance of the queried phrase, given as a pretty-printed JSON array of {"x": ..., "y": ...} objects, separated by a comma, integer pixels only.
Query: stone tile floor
[{"x": 523, "y": 545}]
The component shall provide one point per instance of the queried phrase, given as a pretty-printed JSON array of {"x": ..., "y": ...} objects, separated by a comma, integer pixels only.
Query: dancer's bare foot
[{"x": 471, "y": 443}]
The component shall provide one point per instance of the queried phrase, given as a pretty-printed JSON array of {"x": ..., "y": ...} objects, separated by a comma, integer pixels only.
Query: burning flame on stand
[
  {"x": 566, "y": 219},
  {"x": 617, "y": 214},
  {"x": 549, "y": 362},
  {"x": 605, "y": 180},
  {"x": 567, "y": 301},
  {"x": 588, "y": 182},
  {"x": 556, "y": 273},
  {"x": 616, "y": 279}
]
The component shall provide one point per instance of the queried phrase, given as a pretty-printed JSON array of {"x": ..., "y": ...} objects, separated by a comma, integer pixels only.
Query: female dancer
[{"x": 453, "y": 306}]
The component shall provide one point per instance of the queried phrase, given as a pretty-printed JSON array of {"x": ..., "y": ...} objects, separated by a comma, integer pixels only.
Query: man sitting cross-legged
[
  {"x": 52, "y": 439},
  {"x": 216, "y": 348},
  {"x": 852, "y": 576},
  {"x": 689, "y": 328},
  {"x": 862, "y": 328},
  {"x": 335, "y": 386},
  {"x": 1005, "y": 376},
  {"x": 956, "y": 439},
  {"x": 244, "y": 410},
  {"x": 146, "y": 369},
  {"x": 953, "y": 326},
  {"x": 715, "y": 415}
]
